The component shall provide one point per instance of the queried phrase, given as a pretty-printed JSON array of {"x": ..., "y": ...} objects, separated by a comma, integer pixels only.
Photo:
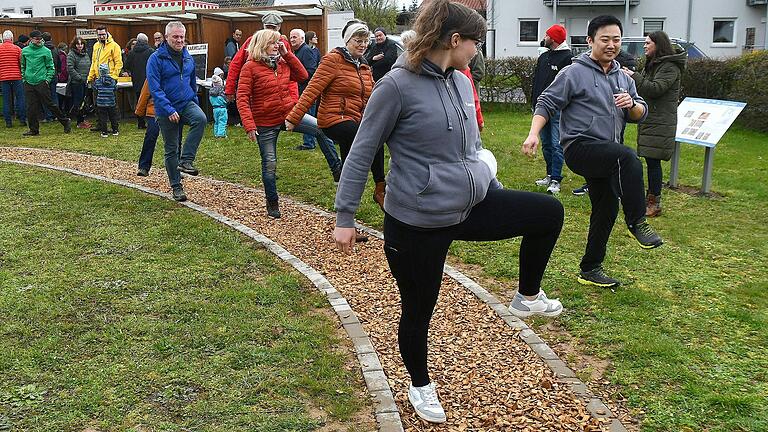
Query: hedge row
[{"x": 739, "y": 79}]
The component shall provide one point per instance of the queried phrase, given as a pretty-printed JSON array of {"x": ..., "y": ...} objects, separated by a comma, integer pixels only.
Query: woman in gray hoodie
[
  {"x": 440, "y": 187},
  {"x": 78, "y": 65}
]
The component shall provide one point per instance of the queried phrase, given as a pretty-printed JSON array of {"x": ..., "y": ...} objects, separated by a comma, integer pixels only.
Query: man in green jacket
[{"x": 37, "y": 72}]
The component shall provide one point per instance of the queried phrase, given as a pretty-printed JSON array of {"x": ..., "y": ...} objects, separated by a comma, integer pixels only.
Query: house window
[
  {"x": 724, "y": 31},
  {"x": 64, "y": 10},
  {"x": 652, "y": 25},
  {"x": 9, "y": 10},
  {"x": 529, "y": 30},
  {"x": 27, "y": 11}
]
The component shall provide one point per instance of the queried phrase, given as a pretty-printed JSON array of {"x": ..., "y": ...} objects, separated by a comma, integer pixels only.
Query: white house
[
  {"x": 721, "y": 28},
  {"x": 48, "y": 8}
]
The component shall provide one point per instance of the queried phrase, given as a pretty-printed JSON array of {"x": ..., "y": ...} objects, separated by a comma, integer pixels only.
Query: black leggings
[
  {"x": 612, "y": 171},
  {"x": 344, "y": 134},
  {"x": 416, "y": 257},
  {"x": 654, "y": 175}
]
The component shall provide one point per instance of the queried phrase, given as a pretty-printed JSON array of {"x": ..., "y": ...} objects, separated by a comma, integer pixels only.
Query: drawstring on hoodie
[{"x": 445, "y": 108}]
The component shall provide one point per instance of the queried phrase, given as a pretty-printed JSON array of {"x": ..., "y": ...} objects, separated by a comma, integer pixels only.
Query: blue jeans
[
  {"x": 220, "y": 122},
  {"x": 14, "y": 87},
  {"x": 309, "y": 140},
  {"x": 78, "y": 94},
  {"x": 195, "y": 118},
  {"x": 550, "y": 146},
  {"x": 308, "y": 126},
  {"x": 267, "y": 139},
  {"x": 150, "y": 140}
]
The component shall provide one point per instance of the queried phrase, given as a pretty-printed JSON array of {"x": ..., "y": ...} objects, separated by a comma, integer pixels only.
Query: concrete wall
[
  {"x": 507, "y": 15},
  {"x": 44, "y": 8}
]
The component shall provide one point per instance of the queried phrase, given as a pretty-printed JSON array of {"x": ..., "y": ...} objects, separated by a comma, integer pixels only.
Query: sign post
[
  {"x": 702, "y": 122},
  {"x": 199, "y": 53}
]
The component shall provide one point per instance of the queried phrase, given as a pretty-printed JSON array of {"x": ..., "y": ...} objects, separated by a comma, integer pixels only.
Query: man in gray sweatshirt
[{"x": 596, "y": 102}]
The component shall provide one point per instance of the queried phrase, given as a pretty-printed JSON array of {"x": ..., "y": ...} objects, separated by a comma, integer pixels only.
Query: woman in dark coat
[{"x": 659, "y": 84}]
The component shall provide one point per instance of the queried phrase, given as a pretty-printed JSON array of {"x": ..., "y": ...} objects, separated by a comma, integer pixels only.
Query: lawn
[
  {"x": 122, "y": 311},
  {"x": 686, "y": 336}
]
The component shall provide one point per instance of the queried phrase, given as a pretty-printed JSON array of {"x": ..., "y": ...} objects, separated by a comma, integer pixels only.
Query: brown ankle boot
[
  {"x": 652, "y": 205},
  {"x": 378, "y": 194}
]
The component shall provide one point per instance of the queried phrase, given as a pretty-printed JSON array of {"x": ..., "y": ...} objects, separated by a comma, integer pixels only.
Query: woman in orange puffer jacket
[
  {"x": 343, "y": 82},
  {"x": 264, "y": 100}
]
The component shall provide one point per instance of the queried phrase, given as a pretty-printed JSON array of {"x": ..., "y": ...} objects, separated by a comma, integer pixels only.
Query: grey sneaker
[
  {"x": 597, "y": 277},
  {"x": 178, "y": 194},
  {"x": 142, "y": 172},
  {"x": 554, "y": 187},
  {"x": 522, "y": 308},
  {"x": 425, "y": 402},
  {"x": 646, "y": 236},
  {"x": 544, "y": 181}
]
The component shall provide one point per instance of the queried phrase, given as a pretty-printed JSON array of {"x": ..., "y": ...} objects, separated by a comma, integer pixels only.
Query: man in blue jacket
[
  {"x": 596, "y": 102},
  {"x": 173, "y": 85}
]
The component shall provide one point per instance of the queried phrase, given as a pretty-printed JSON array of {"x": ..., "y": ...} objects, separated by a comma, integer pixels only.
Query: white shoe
[
  {"x": 554, "y": 187},
  {"x": 544, "y": 182},
  {"x": 541, "y": 305},
  {"x": 425, "y": 402}
]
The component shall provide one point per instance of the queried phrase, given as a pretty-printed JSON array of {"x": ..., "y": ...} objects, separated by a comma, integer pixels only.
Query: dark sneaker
[
  {"x": 178, "y": 194},
  {"x": 645, "y": 235},
  {"x": 186, "y": 167},
  {"x": 67, "y": 123},
  {"x": 597, "y": 277},
  {"x": 104, "y": 135},
  {"x": 581, "y": 191},
  {"x": 273, "y": 209},
  {"x": 115, "y": 133},
  {"x": 30, "y": 133},
  {"x": 142, "y": 172}
]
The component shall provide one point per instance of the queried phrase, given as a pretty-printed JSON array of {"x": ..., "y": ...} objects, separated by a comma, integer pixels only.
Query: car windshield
[{"x": 693, "y": 51}]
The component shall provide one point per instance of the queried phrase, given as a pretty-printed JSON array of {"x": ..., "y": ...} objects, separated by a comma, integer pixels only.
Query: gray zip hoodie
[
  {"x": 428, "y": 121},
  {"x": 584, "y": 94}
]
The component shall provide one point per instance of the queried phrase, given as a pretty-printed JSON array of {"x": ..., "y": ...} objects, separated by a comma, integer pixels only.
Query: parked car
[{"x": 634, "y": 46}]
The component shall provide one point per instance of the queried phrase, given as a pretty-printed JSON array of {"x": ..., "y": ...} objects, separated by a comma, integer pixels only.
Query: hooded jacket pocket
[
  {"x": 448, "y": 189},
  {"x": 601, "y": 127}
]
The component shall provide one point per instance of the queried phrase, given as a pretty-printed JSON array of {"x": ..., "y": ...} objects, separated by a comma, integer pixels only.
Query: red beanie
[{"x": 557, "y": 33}]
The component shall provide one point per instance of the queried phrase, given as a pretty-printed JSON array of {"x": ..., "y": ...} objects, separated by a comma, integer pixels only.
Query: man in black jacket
[
  {"x": 136, "y": 64},
  {"x": 557, "y": 56},
  {"x": 381, "y": 55}
]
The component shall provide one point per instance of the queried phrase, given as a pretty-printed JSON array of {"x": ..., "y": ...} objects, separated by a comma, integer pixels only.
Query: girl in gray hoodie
[{"x": 438, "y": 188}]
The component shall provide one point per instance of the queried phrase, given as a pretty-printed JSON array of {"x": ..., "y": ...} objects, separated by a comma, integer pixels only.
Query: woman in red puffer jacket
[{"x": 264, "y": 99}]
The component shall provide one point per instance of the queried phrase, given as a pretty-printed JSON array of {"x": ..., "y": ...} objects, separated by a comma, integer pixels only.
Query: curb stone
[
  {"x": 385, "y": 409},
  {"x": 376, "y": 380}
]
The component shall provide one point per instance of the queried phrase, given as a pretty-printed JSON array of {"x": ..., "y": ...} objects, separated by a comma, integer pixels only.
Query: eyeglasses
[
  {"x": 159, "y": 38},
  {"x": 479, "y": 44},
  {"x": 360, "y": 41}
]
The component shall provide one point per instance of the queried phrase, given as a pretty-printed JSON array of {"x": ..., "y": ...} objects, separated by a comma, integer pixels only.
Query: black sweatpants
[
  {"x": 110, "y": 113},
  {"x": 36, "y": 97},
  {"x": 612, "y": 171},
  {"x": 344, "y": 134},
  {"x": 416, "y": 257}
]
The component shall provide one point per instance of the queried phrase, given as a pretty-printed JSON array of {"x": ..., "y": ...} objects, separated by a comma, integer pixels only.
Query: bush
[
  {"x": 738, "y": 79},
  {"x": 503, "y": 78}
]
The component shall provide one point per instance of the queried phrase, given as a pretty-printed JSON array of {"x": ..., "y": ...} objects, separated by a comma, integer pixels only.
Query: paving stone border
[{"x": 385, "y": 408}]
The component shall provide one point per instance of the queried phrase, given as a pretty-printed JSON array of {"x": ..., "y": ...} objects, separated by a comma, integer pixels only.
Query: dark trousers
[
  {"x": 140, "y": 119},
  {"x": 612, "y": 171},
  {"x": 416, "y": 257},
  {"x": 654, "y": 175},
  {"x": 110, "y": 113},
  {"x": 38, "y": 96},
  {"x": 344, "y": 134},
  {"x": 78, "y": 95}
]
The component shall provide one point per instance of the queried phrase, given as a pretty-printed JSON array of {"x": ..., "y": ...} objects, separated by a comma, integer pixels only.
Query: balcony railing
[{"x": 598, "y": 2}]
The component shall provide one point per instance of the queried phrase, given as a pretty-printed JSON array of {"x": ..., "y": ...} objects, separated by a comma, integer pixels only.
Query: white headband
[{"x": 355, "y": 28}]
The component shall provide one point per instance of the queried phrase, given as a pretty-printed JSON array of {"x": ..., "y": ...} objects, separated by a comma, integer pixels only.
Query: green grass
[
  {"x": 127, "y": 312},
  {"x": 686, "y": 336}
]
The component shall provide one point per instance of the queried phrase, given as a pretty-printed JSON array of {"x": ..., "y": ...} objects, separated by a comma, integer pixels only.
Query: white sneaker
[
  {"x": 544, "y": 182},
  {"x": 541, "y": 305},
  {"x": 425, "y": 402},
  {"x": 554, "y": 187}
]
